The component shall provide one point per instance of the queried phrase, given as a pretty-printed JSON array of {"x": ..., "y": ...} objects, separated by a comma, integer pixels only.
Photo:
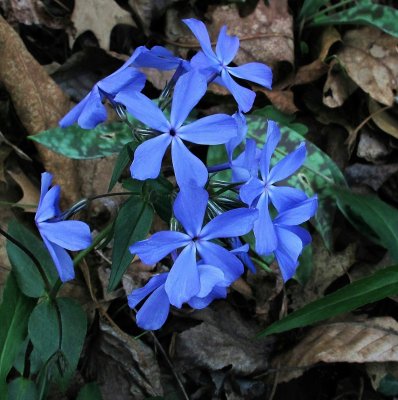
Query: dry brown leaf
[
  {"x": 327, "y": 267},
  {"x": 383, "y": 119},
  {"x": 338, "y": 87},
  {"x": 369, "y": 340},
  {"x": 310, "y": 73},
  {"x": 31, "y": 193},
  {"x": 33, "y": 12},
  {"x": 370, "y": 58},
  {"x": 329, "y": 37},
  {"x": 282, "y": 99},
  {"x": 99, "y": 17}
]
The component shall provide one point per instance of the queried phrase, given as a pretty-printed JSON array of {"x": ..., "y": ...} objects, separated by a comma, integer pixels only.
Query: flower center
[{"x": 172, "y": 132}]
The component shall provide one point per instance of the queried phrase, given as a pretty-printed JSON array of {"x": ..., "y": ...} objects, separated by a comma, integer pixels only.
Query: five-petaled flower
[
  {"x": 213, "y": 129},
  {"x": 216, "y": 64},
  {"x": 183, "y": 281},
  {"x": 58, "y": 234}
]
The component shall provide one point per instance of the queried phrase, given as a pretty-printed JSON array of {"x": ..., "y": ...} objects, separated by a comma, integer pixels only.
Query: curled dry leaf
[
  {"x": 99, "y": 17},
  {"x": 385, "y": 120},
  {"x": 327, "y": 267},
  {"x": 369, "y": 340},
  {"x": 370, "y": 58},
  {"x": 329, "y": 37},
  {"x": 30, "y": 192}
]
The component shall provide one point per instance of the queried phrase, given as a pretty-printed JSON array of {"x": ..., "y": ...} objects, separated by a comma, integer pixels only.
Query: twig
[{"x": 275, "y": 384}]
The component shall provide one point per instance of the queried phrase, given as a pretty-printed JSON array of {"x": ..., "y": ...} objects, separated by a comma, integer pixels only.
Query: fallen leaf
[
  {"x": 370, "y": 58},
  {"x": 310, "y": 73},
  {"x": 383, "y": 119},
  {"x": 283, "y": 100},
  {"x": 329, "y": 37},
  {"x": 369, "y": 340},
  {"x": 31, "y": 193},
  {"x": 124, "y": 368},
  {"x": 338, "y": 87},
  {"x": 371, "y": 175},
  {"x": 372, "y": 147},
  {"x": 99, "y": 17},
  {"x": 327, "y": 267},
  {"x": 222, "y": 340},
  {"x": 377, "y": 371}
]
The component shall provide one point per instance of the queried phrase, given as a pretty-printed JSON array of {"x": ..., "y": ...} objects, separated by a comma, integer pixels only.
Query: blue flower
[
  {"x": 292, "y": 238},
  {"x": 183, "y": 281},
  {"x": 213, "y": 129},
  {"x": 57, "y": 234},
  {"x": 91, "y": 111},
  {"x": 257, "y": 192},
  {"x": 216, "y": 64},
  {"x": 155, "y": 310}
]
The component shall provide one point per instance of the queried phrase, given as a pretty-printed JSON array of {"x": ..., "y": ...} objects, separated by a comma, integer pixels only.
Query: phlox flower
[
  {"x": 183, "y": 281},
  {"x": 258, "y": 191},
  {"x": 57, "y": 234},
  {"x": 216, "y": 64},
  {"x": 291, "y": 238},
  {"x": 213, "y": 129},
  {"x": 153, "y": 313},
  {"x": 91, "y": 111}
]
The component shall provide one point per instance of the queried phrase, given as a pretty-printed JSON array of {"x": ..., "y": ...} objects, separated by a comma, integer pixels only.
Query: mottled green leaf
[
  {"x": 75, "y": 142},
  {"x": 310, "y": 7},
  {"x": 315, "y": 176},
  {"x": 371, "y": 216},
  {"x": 29, "y": 279},
  {"x": 382, "y": 284},
  {"x": 364, "y": 12},
  {"x": 388, "y": 386},
  {"x": 22, "y": 389},
  {"x": 90, "y": 391},
  {"x": 132, "y": 224},
  {"x": 14, "y": 313}
]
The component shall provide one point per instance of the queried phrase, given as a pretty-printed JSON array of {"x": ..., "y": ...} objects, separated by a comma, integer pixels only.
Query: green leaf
[
  {"x": 90, "y": 391},
  {"x": 75, "y": 142},
  {"x": 159, "y": 193},
  {"x": 124, "y": 158},
  {"x": 363, "y": 12},
  {"x": 310, "y": 7},
  {"x": 388, "y": 386},
  {"x": 14, "y": 312},
  {"x": 371, "y": 216},
  {"x": 315, "y": 176},
  {"x": 132, "y": 224},
  {"x": 22, "y": 389},
  {"x": 304, "y": 270},
  {"x": 57, "y": 330},
  {"x": 28, "y": 277},
  {"x": 382, "y": 284}
]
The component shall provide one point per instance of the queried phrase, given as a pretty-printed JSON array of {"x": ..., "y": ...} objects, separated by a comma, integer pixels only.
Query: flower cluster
[{"x": 205, "y": 246}]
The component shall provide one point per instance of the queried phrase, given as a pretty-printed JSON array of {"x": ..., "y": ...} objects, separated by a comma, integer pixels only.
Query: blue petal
[
  {"x": 190, "y": 207},
  {"x": 238, "y": 139},
  {"x": 72, "y": 116},
  {"x": 232, "y": 223},
  {"x": 251, "y": 190},
  {"x": 227, "y": 46},
  {"x": 183, "y": 280},
  {"x": 62, "y": 260},
  {"x": 288, "y": 165},
  {"x": 264, "y": 231},
  {"x": 48, "y": 206},
  {"x": 218, "y": 292},
  {"x": 154, "y": 312},
  {"x": 209, "y": 276},
  {"x": 215, "y": 255},
  {"x": 71, "y": 235},
  {"x": 128, "y": 78},
  {"x": 46, "y": 180},
  {"x": 254, "y": 72},
  {"x": 241, "y": 252},
  {"x": 148, "y": 157},
  {"x": 142, "y": 108},
  {"x": 273, "y": 138},
  {"x": 198, "y": 28},
  {"x": 139, "y": 294},
  {"x": 188, "y": 169},
  {"x": 300, "y": 213},
  {"x": 189, "y": 89},
  {"x": 243, "y": 96},
  {"x": 213, "y": 129},
  {"x": 287, "y": 252},
  {"x": 206, "y": 65},
  {"x": 303, "y": 234},
  {"x": 159, "y": 245},
  {"x": 284, "y": 197},
  {"x": 158, "y": 57},
  {"x": 94, "y": 112}
]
